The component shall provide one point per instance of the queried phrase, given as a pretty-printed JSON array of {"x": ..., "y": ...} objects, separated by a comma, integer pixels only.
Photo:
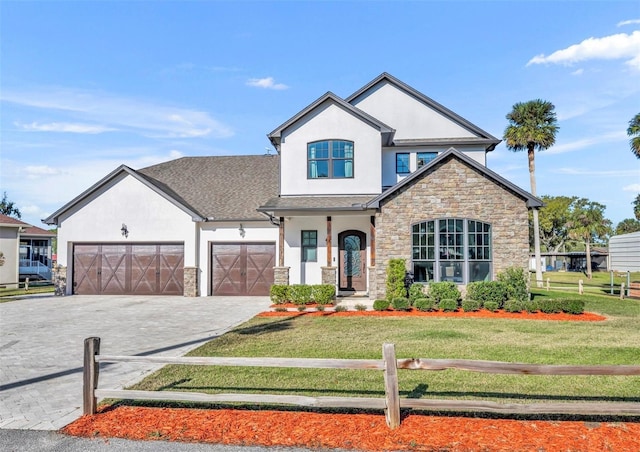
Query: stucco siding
[
  {"x": 149, "y": 218},
  {"x": 330, "y": 122},
  {"x": 9, "y": 245},
  {"x": 410, "y": 117},
  {"x": 452, "y": 190}
]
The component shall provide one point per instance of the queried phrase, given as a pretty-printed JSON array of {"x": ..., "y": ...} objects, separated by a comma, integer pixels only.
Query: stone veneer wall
[
  {"x": 191, "y": 281},
  {"x": 329, "y": 275},
  {"x": 453, "y": 190},
  {"x": 281, "y": 276},
  {"x": 59, "y": 279}
]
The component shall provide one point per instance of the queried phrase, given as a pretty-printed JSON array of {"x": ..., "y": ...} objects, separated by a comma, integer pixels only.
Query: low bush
[
  {"x": 448, "y": 304},
  {"x": 320, "y": 307},
  {"x": 471, "y": 305},
  {"x": 572, "y": 306},
  {"x": 415, "y": 291},
  {"x": 517, "y": 281},
  {"x": 323, "y": 293},
  {"x": 340, "y": 308},
  {"x": 484, "y": 291},
  {"x": 360, "y": 307},
  {"x": 549, "y": 306},
  {"x": 513, "y": 306},
  {"x": 530, "y": 306},
  {"x": 300, "y": 293},
  {"x": 279, "y": 293},
  {"x": 380, "y": 305},
  {"x": 280, "y": 309},
  {"x": 444, "y": 290},
  {"x": 425, "y": 304},
  {"x": 400, "y": 304},
  {"x": 302, "y": 308},
  {"x": 491, "y": 306}
]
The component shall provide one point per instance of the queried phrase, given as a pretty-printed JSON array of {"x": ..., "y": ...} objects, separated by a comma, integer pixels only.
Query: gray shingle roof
[
  {"x": 219, "y": 188},
  {"x": 319, "y": 203}
]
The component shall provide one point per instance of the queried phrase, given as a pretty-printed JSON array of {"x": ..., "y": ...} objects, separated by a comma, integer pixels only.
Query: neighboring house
[
  {"x": 624, "y": 252},
  {"x": 26, "y": 251},
  {"x": 385, "y": 173}
]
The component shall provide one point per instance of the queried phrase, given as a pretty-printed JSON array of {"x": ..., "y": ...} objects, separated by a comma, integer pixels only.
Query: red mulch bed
[
  {"x": 365, "y": 432},
  {"x": 483, "y": 313}
]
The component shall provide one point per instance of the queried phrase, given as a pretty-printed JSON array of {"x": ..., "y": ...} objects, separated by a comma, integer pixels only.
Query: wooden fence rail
[{"x": 391, "y": 403}]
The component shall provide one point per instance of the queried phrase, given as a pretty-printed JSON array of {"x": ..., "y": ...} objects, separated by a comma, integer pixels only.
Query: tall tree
[
  {"x": 8, "y": 208},
  {"x": 628, "y": 226},
  {"x": 636, "y": 207},
  {"x": 532, "y": 126},
  {"x": 588, "y": 224},
  {"x": 634, "y": 132},
  {"x": 553, "y": 221}
]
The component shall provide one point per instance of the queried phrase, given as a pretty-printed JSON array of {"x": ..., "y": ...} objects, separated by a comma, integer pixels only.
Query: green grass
[
  {"x": 6, "y": 294},
  {"x": 613, "y": 342}
]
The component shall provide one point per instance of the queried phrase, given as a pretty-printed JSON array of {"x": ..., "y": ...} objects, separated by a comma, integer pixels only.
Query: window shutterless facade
[
  {"x": 309, "y": 246},
  {"x": 402, "y": 163},
  {"x": 425, "y": 157},
  {"x": 330, "y": 159},
  {"x": 452, "y": 249}
]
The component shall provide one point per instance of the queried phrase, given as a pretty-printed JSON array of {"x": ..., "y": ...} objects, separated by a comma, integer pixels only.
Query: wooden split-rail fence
[{"x": 391, "y": 403}]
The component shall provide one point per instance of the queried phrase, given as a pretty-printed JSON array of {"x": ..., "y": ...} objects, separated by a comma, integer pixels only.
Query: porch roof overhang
[{"x": 315, "y": 205}]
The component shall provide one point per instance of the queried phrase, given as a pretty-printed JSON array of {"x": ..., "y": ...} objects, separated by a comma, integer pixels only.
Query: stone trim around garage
[{"x": 190, "y": 288}]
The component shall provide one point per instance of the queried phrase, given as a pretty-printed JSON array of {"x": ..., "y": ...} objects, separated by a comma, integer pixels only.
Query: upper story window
[
  {"x": 452, "y": 249},
  {"x": 331, "y": 159},
  {"x": 402, "y": 163},
  {"x": 425, "y": 157}
]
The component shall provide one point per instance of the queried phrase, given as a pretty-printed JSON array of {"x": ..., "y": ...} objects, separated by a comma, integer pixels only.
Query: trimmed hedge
[
  {"x": 471, "y": 305},
  {"x": 396, "y": 270},
  {"x": 572, "y": 306},
  {"x": 549, "y": 306},
  {"x": 517, "y": 281},
  {"x": 400, "y": 304},
  {"x": 491, "y": 306},
  {"x": 484, "y": 291},
  {"x": 448, "y": 304},
  {"x": 444, "y": 290},
  {"x": 425, "y": 304},
  {"x": 513, "y": 306},
  {"x": 530, "y": 306},
  {"x": 279, "y": 294},
  {"x": 303, "y": 293},
  {"x": 300, "y": 293},
  {"x": 380, "y": 305},
  {"x": 323, "y": 293}
]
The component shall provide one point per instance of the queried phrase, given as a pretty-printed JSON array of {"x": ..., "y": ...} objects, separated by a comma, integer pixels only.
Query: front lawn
[{"x": 614, "y": 341}]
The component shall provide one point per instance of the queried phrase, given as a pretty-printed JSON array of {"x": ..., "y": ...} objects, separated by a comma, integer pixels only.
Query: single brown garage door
[
  {"x": 128, "y": 269},
  {"x": 242, "y": 268}
]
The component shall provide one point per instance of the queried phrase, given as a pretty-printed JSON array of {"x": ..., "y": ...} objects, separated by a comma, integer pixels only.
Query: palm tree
[
  {"x": 587, "y": 224},
  {"x": 532, "y": 125},
  {"x": 634, "y": 132}
]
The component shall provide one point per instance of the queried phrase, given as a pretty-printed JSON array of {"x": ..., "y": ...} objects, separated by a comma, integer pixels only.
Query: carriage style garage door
[
  {"x": 128, "y": 269},
  {"x": 242, "y": 268}
]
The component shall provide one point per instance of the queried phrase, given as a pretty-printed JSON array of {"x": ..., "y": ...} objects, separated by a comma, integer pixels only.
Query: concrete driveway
[{"x": 41, "y": 346}]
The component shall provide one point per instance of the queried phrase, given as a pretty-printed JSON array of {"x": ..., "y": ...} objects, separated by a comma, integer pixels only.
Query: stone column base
[
  {"x": 281, "y": 276},
  {"x": 329, "y": 275},
  {"x": 191, "y": 281},
  {"x": 59, "y": 279},
  {"x": 373, "y": 283}
]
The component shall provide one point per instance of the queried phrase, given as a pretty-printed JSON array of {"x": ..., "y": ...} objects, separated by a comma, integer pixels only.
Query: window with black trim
[
  {"x": 452, "y": 249},
  {"x": 309, "y": 246},
  {"x": 330, "y": 159},
  {"x": 402, "y": 163}
]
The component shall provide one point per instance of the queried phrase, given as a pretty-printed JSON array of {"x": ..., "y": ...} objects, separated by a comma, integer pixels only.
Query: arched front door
[{"x": 353, "y": 260}]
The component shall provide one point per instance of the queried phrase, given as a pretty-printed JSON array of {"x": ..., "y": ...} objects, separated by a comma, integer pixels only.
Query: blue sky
[{"x": 87, "y": 86}]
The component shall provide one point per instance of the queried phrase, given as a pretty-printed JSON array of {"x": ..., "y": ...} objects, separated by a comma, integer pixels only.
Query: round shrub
[
  {"x": 448, "y": 304},
  {"x": 425, "y": 304},
  {"x": 531, "y": 306},
  {"x": 360, "y": 307},
  {"x": 302, "y": 308},
  {"x": 513, "y": 306},
  {"x": 340, "y": 308},
  {"x": 300, "y": 293},
  {"x": 380, "y": 305},
  {"x": 484, "y": 291},
  {"x": 415, "y": 291},
  {"x": 320, "y": 307},
  {"x": 470, "y": 305},
  {"x": 444, "y": 290},
  {"x": 572, "y": 306},
  {"x": 279, "y": 293},
  {"x": 491, "y": 306},
  {"x": 400, "y": 304},
  {"x": 323, "y": 293},
  {"x": 517, "y": 281}
]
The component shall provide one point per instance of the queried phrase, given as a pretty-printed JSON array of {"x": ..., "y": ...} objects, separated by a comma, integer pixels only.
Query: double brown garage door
[
  {"x": 128, "y": 269},
  {"x": 242, "y": 268}
]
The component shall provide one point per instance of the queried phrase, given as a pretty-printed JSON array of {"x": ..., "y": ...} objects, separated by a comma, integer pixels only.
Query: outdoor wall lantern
[
  {"x": 124, "y": 230},
  {"x": 242, "y": 231}
]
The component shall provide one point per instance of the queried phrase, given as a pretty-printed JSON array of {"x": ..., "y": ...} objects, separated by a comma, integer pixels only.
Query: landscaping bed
[{"x": 366, "y": 432}]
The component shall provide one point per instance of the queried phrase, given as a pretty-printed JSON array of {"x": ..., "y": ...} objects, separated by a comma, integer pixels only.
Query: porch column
[
  {"x": 281, "y": 243},
  {"x": 372, "y": 239},
  {"x": 329, "y": 247}
]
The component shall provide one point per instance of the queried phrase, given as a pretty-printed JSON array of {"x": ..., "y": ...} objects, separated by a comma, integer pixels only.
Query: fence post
[
  {"x": 548, "y": 284},
  {"x": 580, "y": 288},
  {"x": 26, "y": 284},
  {"x": 392, "y": 395},
  {"x": 622, "y": 291},
  {"x": 90, "y": 375},
  {"x": 628, "y": 284},
  {"x": 611, "y": 283}
]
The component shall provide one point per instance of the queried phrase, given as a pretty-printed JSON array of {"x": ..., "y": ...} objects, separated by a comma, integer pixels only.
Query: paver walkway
[{"x": 41, "y": 346}]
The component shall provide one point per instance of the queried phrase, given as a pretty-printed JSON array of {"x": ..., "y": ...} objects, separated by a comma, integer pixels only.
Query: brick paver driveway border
[{"x": 41, "y": 345}]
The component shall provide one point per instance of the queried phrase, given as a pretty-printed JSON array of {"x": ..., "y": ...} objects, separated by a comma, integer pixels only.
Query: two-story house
[{"x": 384, "y": 173}]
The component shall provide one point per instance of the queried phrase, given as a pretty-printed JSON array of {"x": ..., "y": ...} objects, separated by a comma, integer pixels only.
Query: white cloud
[
  {"x": 578, "y": 72},
  {"x": 174, "y": 154},
  {"x": 34, "y": 172},
  {"x": 633, "y": 188},
  {"x": 63, "y": 127},
  {"x": 585, "y": 143},
  {"x": 619, "y": 46},
  {"x": 267, "y": 83},
  {"x": 628, "y": 22},
  {"x": 139, "y": 116}
]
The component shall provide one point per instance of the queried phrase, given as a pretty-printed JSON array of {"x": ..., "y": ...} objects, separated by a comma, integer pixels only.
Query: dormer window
[{"x": 331, "y": 159}]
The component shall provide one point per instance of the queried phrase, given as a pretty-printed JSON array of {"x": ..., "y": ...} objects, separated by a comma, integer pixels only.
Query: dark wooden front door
[
  {"x": 128, "y": 269},
  {"x": 242, "y": 268},
  {"x": 353, "y": 260}
]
